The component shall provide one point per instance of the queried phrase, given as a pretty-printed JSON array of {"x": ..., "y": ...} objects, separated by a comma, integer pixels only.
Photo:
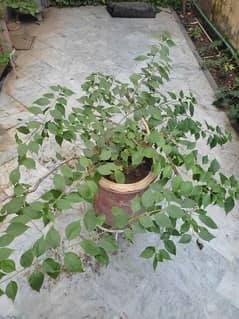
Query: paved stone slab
[{"x": 70, "y": 44}]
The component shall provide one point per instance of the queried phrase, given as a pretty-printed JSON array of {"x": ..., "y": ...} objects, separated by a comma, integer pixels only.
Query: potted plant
[{"x": 135, "y": 164}]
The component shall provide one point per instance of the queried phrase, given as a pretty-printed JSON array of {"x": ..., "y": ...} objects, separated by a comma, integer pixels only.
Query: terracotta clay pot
[{"x": 112, "y": 194}]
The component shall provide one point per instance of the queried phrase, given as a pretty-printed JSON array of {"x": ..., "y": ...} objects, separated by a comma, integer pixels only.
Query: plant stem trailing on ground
[{"x": 175, "y": 205}]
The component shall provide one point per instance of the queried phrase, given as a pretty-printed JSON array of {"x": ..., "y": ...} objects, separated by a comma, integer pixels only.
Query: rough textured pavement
[{"x": 71, "y": 43}]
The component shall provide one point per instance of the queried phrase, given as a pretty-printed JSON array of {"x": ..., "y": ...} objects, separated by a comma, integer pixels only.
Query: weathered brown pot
[{"x": 112, "y": 194}]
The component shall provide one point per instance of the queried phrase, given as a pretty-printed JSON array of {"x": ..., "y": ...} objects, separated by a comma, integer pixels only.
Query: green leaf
[
  {"x": 1, "y": 291},
  {"x": 33, "y": 124},
  {"x": 137, "y": 158},
  {"x": 72, "y": 262},
  {"x": 35, "y": 110},
  {"x": 90, "y": 220},
  {"x": 63, "y": 204},
  {"x": 206, "y": 200},
  {"x": 107, "y": 169},
  {"x": 27, "y": 259},
  {"x": 109, "y": 244},
  {"x": 214, "y": 167},
  {"x": 16, "y": 229},
  {"x": 185, "y": 227},
  {"x": 29, "y": 163},
  {"x": 85, "y": 162},
  {"x": 141, "y": 58},
  {"x": 36, "y": 280},
  {"x": 5, "y": 253},
  {"x": 134, "y": 78},
  {"x": 175, "y": 211},
  {"x": 102, "y": 258},
  {"x": 105, "y": 155},
  {"x": 11, "y": 290},
  {"x": 59, "y": 182},
  {"x": 22, "y": 219},
  {"x": 157, "y": 168},
  {"x": 186, "y": 188},
  {"x": 129, "y": 235},
  {"x": 51, "y": 267},
  {"x": 88, "y": 190},
  {"x": 53, "y": 238},
  {"x": 205, "y": 159},
  {"x": 19, "y": 189},
  {"x": 73, "y": 230},
  {"x": 74, "y": 197},
  {"x": 185, "y": 239},
  {"x": 167, "y": 171},
  {"x": 100, "y": 220},
  {"x": 7, "y": 265},
  {"x": 15, "y": 176},
  {"x": 208, "y": 221},
  {"x": 22, "y": 150},
  {"x": 120, "y": 218},
  {"x": 162, "y": 220},
  {"x": 155, "y": 262},
  {"x": 205, "y": 235},
  {"x": 49, "y": 95},
  {"x": 229, "y": 204},
  {"x": 164, "y": 254},
  {"x": 119, "y": 177},
  {"x": 66, "y": 171},
  {"x": 90, "y": 247},
  {"x": 188, "y": 203},
  {"x": 135, "y": 204},
  {"x": 170, "y": 246},
  {"x": 23, "y": 130},
  {"x": 6, "y": 240},
  {"x": 148, "y": 252},
  {"x": 40, "y": 247},
  {"x": 33, "y": 147},
  {"x": 146, "y": 221},
  {"x": 43, "y": 101},
  {"x": 14, "y": 205},
  {"x": 148, "y": 198}
]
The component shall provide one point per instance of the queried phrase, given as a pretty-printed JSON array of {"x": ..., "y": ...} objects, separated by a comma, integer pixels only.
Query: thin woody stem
[{"x": 38, "y": 183}]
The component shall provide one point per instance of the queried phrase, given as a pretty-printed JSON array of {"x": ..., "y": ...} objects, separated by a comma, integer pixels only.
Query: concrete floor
[{"x": 71, "y": 43}]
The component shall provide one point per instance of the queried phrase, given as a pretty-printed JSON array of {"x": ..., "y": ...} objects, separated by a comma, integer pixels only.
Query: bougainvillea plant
[{"x": 105, "y": 125}]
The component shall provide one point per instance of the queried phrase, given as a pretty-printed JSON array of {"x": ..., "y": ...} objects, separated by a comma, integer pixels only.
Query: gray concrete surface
[{"x": 196, "y": 284}]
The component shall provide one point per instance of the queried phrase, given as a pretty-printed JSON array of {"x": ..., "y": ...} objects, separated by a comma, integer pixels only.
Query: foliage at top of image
[
  {"x": 105, "y": 124},
  {"x": 176, "y": 4},
  {"x": 72, "y": 3},
  {"x": 24, "y": 6}
]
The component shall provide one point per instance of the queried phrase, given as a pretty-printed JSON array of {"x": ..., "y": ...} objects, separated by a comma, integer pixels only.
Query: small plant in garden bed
[
  {"x": 196, "y": 32},
  {"x": 24, "y": 6},
  {"x": 4, "y": 58},
  {"x": 72, "y": 3},
  {"x": 228, "y": 99},
  {"x": 219, "y": 60},
  {"x": 120, "y": 126}
]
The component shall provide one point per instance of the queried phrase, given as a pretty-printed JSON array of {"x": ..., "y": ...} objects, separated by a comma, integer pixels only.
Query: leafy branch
[{"x": 106, "y": 128}]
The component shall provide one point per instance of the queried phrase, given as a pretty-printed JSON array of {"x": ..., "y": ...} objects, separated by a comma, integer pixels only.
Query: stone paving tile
[
  {"x": 70, "y": 44},
  {"x": 229, "y": 287}
]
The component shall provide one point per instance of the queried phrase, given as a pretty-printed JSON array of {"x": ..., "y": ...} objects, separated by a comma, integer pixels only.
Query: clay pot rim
[{"x": 127, "y": 188}]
